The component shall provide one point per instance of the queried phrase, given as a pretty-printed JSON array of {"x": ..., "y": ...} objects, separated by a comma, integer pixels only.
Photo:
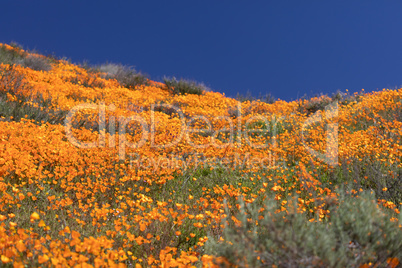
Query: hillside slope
[{"x": 93, "y": 171}]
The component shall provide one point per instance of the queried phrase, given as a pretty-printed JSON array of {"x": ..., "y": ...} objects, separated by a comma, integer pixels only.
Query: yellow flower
[
  {"x": 35, "y": 216},
  {"x": 197, "y": 224}
]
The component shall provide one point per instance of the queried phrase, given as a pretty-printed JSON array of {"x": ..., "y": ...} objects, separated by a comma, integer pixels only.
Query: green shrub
[
  {"x": 374, "y": 175},
  {"x": 20, "y": 57},
  {"x": 320, "y": 101},
  {"x": 8, "y": 56},
  {"x": 248, "y": 96},
  {"x": 314, "y": 104},
  {"x": 36, "y": 63},
  {"x": 357, "y": 232},
  {"x": 183, "y": 86},
  {"x": 127, "y": 76}
]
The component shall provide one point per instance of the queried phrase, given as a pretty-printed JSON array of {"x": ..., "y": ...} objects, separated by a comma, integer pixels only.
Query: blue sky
[{"x": 286, "y": 48}]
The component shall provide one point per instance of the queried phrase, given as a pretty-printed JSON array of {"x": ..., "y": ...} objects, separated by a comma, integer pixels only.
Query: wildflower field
[{"x": 102, "y": 167}]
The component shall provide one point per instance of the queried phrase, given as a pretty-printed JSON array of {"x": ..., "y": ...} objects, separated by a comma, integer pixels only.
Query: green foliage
[
  {"x": 357, "y": 232},
  {"x": 371, "y": 174},
  {"x": 183, "y": 184},
  {"x": 20, "y": 57},
  {"x": 21, "y": 106},
  {"x": 183, "y": 86},
  {"x": 315, "y": 104},
  {"x": 320, "y": 101},
  {"x": 36, "y": 63},
  {"x": 16, "y": 110},
  {"x": 127, "y": 76},
  {"x": 248, "y": 96},
  {"x": 8, "y": 56}
]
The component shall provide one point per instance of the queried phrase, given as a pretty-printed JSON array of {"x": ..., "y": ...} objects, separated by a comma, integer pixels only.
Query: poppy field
[{"x": 101, "y": 168}]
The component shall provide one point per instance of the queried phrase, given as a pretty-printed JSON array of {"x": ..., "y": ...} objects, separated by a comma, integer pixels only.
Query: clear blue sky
[{"x": 287, "y": 48}]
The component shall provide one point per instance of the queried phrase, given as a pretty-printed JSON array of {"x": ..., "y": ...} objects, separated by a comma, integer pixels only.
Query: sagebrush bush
[
  {"x": 320, "y": 101},
  {"x": 184, "y": 86},
  {"x": 16, "y": 55},
  {"x": 36, "y": 63},
  {"x": 315, "y": 104},
  {"x": 248, "y": 96},
  {"x": 11, "y": 56},
  {"x": 127, "y": 76},
  {"x": 357, "y": 232}
]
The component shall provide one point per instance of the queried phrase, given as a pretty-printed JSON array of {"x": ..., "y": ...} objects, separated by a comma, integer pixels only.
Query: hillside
[{"x": 101, "y": 166}]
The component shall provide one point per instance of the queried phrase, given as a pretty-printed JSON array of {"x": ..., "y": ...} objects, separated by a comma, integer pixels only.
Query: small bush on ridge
[
  {"x": 36, "y": 63},
  {"x": 16, "y": 55},
  {"x": 127, "y": 76},
  {"x": 11, "y": 56},
  {"x": 183, "y": 86}
]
